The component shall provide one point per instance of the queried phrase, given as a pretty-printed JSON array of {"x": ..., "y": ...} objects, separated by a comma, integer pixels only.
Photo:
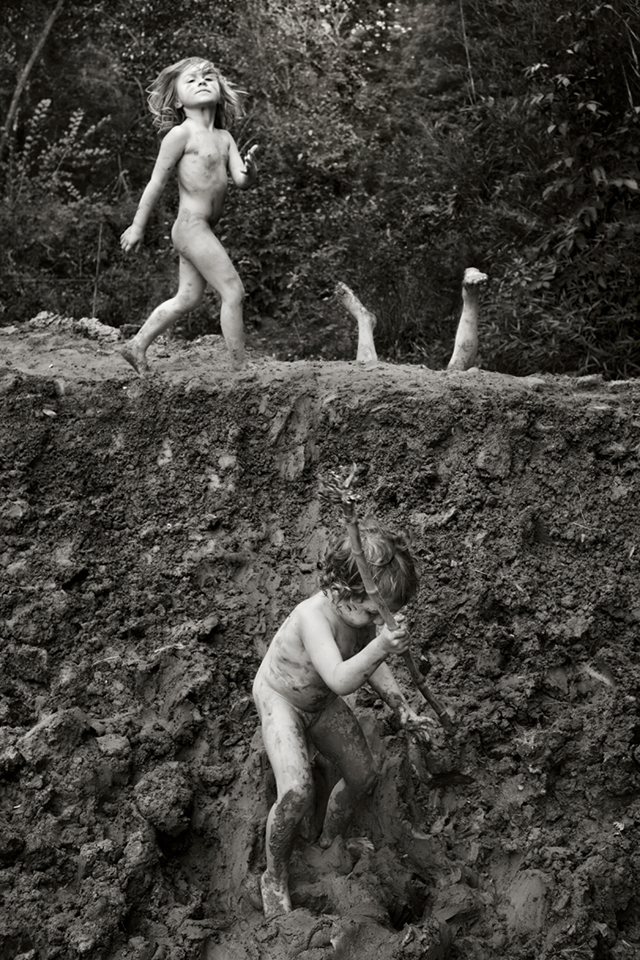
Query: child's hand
[
  {"x": 250, "y": 166},
  {"x": 131, "y": 238},
  {"x": 415, "y": 722},
  {"x": 395, "y": 641}
]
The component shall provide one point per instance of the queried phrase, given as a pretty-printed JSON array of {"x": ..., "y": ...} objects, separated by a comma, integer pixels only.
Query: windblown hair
[
  {"x": 162, "y": 95},
  {"x": 392, "y": 567}
]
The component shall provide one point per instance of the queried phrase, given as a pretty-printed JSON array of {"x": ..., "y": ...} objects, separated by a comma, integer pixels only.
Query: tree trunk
[{"x": 24, "y": 76}]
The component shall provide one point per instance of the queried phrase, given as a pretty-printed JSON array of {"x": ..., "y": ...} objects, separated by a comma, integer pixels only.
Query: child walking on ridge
[
  {"x": 330, "y": 645},
  {"x": 194, "y": 102}
]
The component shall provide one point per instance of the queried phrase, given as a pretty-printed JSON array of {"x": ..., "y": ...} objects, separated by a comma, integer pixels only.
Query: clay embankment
[{"x": 153, "y": 536}]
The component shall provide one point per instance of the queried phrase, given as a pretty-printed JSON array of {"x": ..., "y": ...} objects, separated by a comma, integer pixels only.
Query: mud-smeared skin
[
  {"x": 155, "y": 532},
  {"x": 275, "y": 895},
  {"x": 284, "y": 826}
]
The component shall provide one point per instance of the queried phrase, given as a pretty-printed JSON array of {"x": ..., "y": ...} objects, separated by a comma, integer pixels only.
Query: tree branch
[{"x": 24, "y": 76}]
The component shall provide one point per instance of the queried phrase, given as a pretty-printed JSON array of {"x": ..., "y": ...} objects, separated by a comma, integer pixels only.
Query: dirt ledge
[{"x": 154, "y": 532}]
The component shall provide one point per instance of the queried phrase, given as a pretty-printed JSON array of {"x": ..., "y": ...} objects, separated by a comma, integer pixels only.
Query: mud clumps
[
  {"x": 164, "y": 797},
  {"x": 153, "y": 535}
]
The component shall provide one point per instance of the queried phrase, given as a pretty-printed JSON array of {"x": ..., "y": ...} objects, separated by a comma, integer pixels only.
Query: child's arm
[
  {"x": 386, "y": 686},
  {"x": 243, "y": 170},
  {"x": 171, "y": 150},
  {"x": 345, "y": 676}
]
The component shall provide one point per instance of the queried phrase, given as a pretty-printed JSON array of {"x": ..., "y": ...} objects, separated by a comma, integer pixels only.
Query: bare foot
[
  {"x": 473, "y": 277},
  {"x": 246, "y": 371},
  {"x": 136, "y": 356},
  {"x": 275, "y": 896},
  {"x": 237, "y": 355}
]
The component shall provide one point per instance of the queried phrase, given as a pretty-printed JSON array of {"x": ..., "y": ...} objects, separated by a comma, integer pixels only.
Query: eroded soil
[{"x": 154, "y": 534}]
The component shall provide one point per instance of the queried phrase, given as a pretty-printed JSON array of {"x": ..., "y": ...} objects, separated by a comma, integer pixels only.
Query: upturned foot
[
  {"x": 473, "y": 277},
  {"x": 366, "y": 352}
]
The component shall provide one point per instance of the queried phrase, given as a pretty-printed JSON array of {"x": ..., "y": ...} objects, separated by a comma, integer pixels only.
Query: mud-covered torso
[
  {"x": 287, "y": 667},
  {"x": 202, "y": 176}
]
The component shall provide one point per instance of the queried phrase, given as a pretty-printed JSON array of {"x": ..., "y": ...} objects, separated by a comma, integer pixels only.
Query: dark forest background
[{"x": 400, "y": 143}]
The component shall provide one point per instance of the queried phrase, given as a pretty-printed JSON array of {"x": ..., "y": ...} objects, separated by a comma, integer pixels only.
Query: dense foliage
[{"x": 400, "y": 143}]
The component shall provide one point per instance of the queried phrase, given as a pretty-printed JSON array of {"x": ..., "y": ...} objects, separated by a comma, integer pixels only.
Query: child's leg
[
  {"x": 205, "y": 251},
  {"x": 190, "y": 289},
  {"x": 465, "y": 347},
  {"x": 286, "y": 745},
  {"x": 339, "y": 737}
]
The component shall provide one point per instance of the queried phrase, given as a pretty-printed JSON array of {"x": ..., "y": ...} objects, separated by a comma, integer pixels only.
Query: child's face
[
  {"x": 360, "y": 613},
  {"x": 197, "y": 86}
]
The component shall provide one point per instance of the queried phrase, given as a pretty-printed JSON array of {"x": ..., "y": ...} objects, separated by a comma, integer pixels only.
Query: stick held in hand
[{"x": 340, "y": 491}]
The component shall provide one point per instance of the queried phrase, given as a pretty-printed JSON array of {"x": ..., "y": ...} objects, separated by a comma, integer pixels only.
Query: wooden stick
[
  {"x": 336, "y": 491},
  {"x": 97, "y": 276}
]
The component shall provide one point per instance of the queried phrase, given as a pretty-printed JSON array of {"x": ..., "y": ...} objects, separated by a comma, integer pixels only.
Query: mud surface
[{"x": 153, "y": 535}]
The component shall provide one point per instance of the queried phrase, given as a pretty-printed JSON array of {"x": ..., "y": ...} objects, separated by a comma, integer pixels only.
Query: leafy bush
[{"x": 398, "y": 149}]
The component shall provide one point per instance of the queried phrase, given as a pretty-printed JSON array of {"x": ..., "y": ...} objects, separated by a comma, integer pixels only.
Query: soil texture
[{"x": 154, "y": 533}]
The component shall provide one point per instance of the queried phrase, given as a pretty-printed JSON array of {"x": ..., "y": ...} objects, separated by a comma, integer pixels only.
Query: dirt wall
[{"x": 154, "y": 533}]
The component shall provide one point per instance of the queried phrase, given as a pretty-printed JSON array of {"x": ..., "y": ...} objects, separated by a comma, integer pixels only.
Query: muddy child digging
[
  {"x": 329, "y": 646},
  {"x": 194, "y": 102}
]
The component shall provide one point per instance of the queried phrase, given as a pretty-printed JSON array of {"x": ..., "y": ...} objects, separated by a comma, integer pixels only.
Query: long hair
[
  {"x": 162, "y": 95},
  {"x": 392, "y": 566}
]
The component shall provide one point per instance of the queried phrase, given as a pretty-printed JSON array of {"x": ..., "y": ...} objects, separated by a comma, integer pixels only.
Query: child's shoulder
[
  {"x": 318, "y": 600},
  {"x": 317, "y": 606},
  {"x": 177, "y": 135},
  {"x": 224, "y": 137}
]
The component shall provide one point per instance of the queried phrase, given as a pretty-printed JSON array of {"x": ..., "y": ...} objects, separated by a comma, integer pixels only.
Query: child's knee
[
  {"x": 233, "y": 294},
  {"x": 188, "y": 300},
  {"x": 296, "y": 801}
]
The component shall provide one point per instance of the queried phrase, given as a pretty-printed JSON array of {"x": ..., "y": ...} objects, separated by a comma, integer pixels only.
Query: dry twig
[{"x": 340, "y": 491}]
